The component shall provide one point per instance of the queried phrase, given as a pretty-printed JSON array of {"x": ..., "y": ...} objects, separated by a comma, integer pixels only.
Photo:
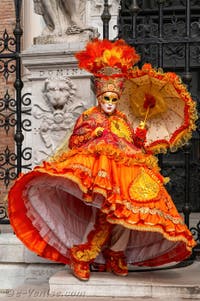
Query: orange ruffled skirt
[{"x": 54, "y": 206}]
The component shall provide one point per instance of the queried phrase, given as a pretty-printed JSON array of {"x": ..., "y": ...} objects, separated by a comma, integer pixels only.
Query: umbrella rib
[
  {"x": 167, "y": 128},
  {"x": 175, "y": 113},
  {"x": 162, "y": 87}
]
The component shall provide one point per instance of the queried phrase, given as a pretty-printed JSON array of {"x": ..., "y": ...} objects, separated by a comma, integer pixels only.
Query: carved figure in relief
[
  {"x": 59, "y": 14},
  {"x": 62, "y": 16},
  {"x": 56, "y": 121}
]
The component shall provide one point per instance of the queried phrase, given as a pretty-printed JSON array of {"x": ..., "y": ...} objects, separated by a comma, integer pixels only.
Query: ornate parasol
[{"x": 161, "y": 102}]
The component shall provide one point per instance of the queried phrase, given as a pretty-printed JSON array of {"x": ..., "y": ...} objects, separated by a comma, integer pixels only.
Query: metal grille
[
  {"x": 14, "y": 110},
  {"x": 167, "y": 35}
]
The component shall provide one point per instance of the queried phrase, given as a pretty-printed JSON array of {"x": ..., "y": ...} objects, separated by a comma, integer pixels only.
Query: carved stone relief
[
  {"x": 56, "y": 116},
  {"x": 67, "y": 72},
  {"x": 64, "y": 19}
]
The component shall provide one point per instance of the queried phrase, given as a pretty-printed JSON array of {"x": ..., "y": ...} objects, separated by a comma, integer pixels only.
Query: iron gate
[
  {"x": 14, "y": 110},
  {"x": 167, "y": 34}
]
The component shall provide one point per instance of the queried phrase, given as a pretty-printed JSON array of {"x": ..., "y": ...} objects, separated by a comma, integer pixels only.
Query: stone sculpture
[
  {"x": 63, "y": 17},
  {"x": 59, "y": 115}
]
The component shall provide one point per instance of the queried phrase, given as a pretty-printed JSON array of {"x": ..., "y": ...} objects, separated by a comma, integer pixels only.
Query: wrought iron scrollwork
[
  {"x": 7, "y": 112},
  {"x": 196, "y": 54},
  {"x": 175, "y": 28},
  {"x": 26, "y": 111},
  {"x": 196, "y": 232},
  {"x": 7, "y": 67},
  {"x": 173, "y": 52},
  {"x": 162, "y": 23},
  {"x": 3, "y": 213},
  {"x": 14, "y": 112},
  {"x": 195, "y": 28},
  {"x": 7, "y": 166},
  {"x": 7, "y": 43},
  {"x": 148, "y": 28},
  {"x": 167, "y": 34}
]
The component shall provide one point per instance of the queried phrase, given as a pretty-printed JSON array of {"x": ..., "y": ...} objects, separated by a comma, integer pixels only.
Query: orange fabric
[
  {"x": 22, "y": 225},
  {"x": 81, "y": 270},
  {"x": 94, "y": 175},
  {"x": 128, "y": 181},
  {"x": 95, "y": 241},
  {"x": 116, "y": 262}
]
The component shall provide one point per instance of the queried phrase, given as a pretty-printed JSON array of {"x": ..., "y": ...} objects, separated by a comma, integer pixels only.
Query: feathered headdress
[
  {"x": 110, "y": 62},
  {"x": 101, "y": 54}
]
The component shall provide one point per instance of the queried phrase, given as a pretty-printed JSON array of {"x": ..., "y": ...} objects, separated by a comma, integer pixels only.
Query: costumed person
[{"x": 102, "y": 200}]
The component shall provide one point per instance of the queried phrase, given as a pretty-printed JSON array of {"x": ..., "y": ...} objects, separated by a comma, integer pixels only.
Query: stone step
[
  {"x": 43, "y": 281},
  {"x": 161, "y": 283},
  {"x": 12, "y": 250},
  {"x": 20, "y": 267},
  {"x": 13, "y": 275}
]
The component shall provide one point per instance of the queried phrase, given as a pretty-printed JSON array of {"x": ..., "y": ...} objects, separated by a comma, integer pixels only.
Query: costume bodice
[{"x": 116, "y": 131}]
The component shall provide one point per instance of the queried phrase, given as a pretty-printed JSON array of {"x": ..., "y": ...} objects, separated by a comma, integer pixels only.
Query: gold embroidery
[
  {"x": 89, "y": 254},
  {"x": 102, "y": 173},
  {"x": 81, "y": 167},
  {"x": 144, "y": 187},
  {"x": 101, "y": 191},
  {"x": 189, "y": 244},
  {"x": 147, "y": 210},
  {"x": 120, "y": 128},
  {"x": 116, "y": 189},
  {"x": 112, "y": 152},
  {"x": 89, "y": 251},
  {"x": 85, "y": 255}
]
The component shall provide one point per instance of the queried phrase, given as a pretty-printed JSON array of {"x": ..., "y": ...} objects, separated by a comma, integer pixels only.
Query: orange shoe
[
  {"x": 81, "y": 270},
  {"x": 116, "y": 262}
]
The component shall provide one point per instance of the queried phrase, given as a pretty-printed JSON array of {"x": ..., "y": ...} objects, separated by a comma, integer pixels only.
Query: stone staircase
[
  {"x": 21, "y": 268},
  {"x": 182, "y": 282}
]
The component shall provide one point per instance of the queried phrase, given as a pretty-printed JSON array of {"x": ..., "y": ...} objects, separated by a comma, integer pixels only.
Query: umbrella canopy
[{"x": 163, "y": 103}]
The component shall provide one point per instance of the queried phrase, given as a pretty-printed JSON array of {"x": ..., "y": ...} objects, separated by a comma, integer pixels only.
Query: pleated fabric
[{"x": 53, "y": 207}]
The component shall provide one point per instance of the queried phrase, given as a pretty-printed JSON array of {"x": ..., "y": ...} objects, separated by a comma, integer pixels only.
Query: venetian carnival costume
[{"x": 102, "y": 200}]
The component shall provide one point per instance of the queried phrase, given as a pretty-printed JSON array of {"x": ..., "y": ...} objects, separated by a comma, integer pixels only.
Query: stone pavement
[
  {"x": 162, "y": 284},
  {"x": 40, "y": 292}
]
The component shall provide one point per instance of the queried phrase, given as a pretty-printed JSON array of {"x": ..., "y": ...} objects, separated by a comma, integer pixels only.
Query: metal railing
[
  {"x": 169, "y": 37},
  {"x": 14, "y": 109}
]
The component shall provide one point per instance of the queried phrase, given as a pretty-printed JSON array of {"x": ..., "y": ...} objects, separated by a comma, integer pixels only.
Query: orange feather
[{"x": 99, "y": 54}]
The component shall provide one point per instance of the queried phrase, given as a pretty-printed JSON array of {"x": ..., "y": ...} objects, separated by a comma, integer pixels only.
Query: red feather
[{"x": 93, "y": 57}]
